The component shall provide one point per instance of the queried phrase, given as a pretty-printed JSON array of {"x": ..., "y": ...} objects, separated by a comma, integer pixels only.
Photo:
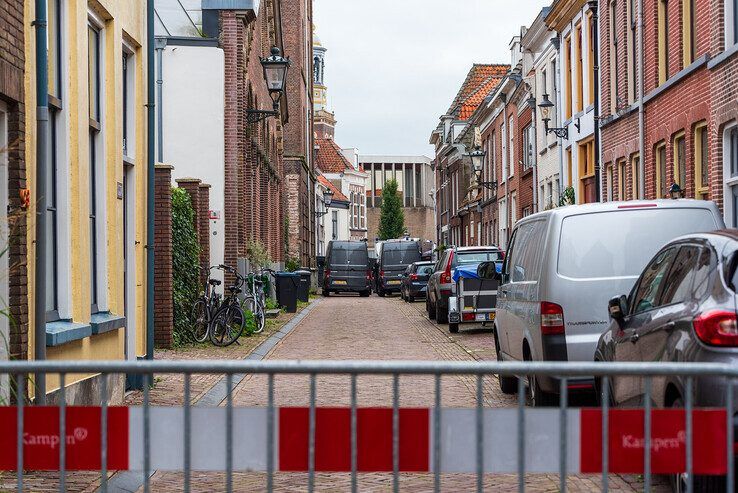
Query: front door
[{"x": 129, "y": 259}]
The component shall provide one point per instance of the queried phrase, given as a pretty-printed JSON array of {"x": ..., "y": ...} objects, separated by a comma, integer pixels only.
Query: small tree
[
  {"x": 185, "y": 262},
  {"x": 391, "y": 219}
]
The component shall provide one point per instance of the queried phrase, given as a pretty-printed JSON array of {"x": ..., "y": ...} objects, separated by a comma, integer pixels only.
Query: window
[
  {"x": 730, "y": 175},
  {"x": 493, "y": 156},
  {"x": 687, "y": 32},
  {"x": 662, "y": 189},
  {"x": 615, "y": 59},
  {"x": 663, "y": 40},
  {"x": 635, "y": 170},
  {"x": 513, "y": 208},
  {"x": 334, "y": 225},
  {"x": 94, "y": 61},
  {"x": 528, "y": 138},
  {"x": 128, "y": 89},
  {"x": 511, "y": 145},
  {"x": 590, "y": 59},
  {"x": 646, "y": 296},
  {"x": 731, "y": 23},
  {"x": 677, "y": 288},
  {"x": 621, "y": 180},
  {"x": 568, "y": 167},
  {"x": 586, "y": 162},
  {"x": 554, "y": 82},
  {"x": 502, "y": 214},
  {"x": 632, "y": 54},
  {"x": 701, "y": 164},
  {"x": 580, "y": 72},
  {"x": 526, "y": 253},
  {"x": 568, "y": 105},
  {"x": 609, "y": 184},
  {"x": 680, "y": 161}
]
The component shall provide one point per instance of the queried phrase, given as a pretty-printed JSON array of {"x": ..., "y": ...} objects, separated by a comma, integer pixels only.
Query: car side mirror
[
  {"x": 488, "y": 270},
  {"x": 618, "y": 307}
]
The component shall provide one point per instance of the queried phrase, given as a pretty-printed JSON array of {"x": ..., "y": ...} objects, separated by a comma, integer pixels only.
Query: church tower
[{"x": 324, "y": 121}]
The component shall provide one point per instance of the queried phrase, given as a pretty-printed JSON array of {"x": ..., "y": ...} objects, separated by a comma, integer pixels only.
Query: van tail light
[
  {"x": 446, "y": 275},
  {"x": 413, "y": 277},
  {"x": 717, "y": 328},
  {"x": 552, "y": 319}
]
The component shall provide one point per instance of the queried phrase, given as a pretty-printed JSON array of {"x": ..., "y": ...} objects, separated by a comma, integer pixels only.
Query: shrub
[
  {"x": 185, "y": 263},
  {"x": 257, "y": 254},
  {"x": 292, "y": 264}
]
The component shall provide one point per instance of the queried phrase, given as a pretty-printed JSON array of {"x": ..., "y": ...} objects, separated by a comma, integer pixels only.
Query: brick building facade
[
  {"x": 12, "y": 150},
  {"x": 299, "y": 165}
]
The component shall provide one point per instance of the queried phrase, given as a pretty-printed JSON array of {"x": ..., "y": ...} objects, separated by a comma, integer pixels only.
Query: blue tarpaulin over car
[{"x": 469, "y": 271}]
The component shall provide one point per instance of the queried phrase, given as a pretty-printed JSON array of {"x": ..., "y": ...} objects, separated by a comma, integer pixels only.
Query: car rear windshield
[
  {"x": 405, "y": 255},
  {"x": 425, "y": 270},
  {"x": 464, "y": 258},
  {"x": 343, "y": 255},
  {"x": 620, "y": 243}
]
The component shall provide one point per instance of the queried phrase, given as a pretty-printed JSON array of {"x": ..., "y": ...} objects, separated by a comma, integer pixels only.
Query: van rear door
[
  {"x": 395, "y": 259},
  {"x": 349, "y": 265}
]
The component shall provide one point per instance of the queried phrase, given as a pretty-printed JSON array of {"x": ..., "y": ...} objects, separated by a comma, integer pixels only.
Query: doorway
[{"x": 129, "y": 259}]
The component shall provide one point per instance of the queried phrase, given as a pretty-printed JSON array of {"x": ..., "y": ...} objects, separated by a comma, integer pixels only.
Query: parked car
[
  {"x": 415, "y": 280},
  {"x": 562, "y": 267},
  {"x": 347, "y": 268},
  {"x": 681, "y": 309},
  {"x": 394, "y": 257},
  {"x": 440, "y": 284}
]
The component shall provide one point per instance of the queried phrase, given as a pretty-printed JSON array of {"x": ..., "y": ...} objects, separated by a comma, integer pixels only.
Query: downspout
[
  {"x": 641, "y": 110},
  {"x": 596, "y": 74},
  {"x": 42, "y": 157},
  {"x": 150, "y": 126},
  {"x": 557, "y": 44},
  {"x": 534, "y": 150},
  {"x": 160, "y": 44}
]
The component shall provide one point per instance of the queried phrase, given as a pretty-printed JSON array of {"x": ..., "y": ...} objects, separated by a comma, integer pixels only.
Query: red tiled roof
[
  {"x": 480, "y": 80},
  {"x": 330, "y": 159},
  {"x": 337, "y": 195}
]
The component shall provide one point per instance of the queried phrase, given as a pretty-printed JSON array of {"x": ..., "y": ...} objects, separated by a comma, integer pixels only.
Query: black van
[
  {"x": 347, "y": 268},
  {"x": 394, "y": 257}
]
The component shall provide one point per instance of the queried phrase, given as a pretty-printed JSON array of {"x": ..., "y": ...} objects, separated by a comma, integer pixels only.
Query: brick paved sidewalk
[{"x": 345, "y": 327}]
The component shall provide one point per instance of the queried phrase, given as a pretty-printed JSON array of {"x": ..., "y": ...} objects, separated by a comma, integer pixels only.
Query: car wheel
[
  {"x": 534, "y": 395},
  {"x": 441, "y": 316},
  {"x": 326, "y": 293},
  {"x": 508, "y": 385},
  {"x": 431, "y": 311},
  {"x": 453, "y": 328},
  {"x": 410, "y": 299},
  {"x": 381, "y": 292},
  {"x": 366, "y": 293},
  {"x": 701, "y": 484}
]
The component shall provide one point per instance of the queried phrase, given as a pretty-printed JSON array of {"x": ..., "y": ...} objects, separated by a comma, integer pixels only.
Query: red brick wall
[
  {"x": 525, "y": 178},
  {"x": 163, "y": 290},
  {"x": 12, "y": 62},
  {"x": 203, "y": 216}
]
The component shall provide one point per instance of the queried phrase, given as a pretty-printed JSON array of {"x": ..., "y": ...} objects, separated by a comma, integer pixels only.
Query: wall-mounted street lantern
[
  {"x": 327, "y": 199},
  {"x": 477, "y": 160},
  {"x": 560, "y": 132},
  {"x": 676, "y": 192},
  {"x": 275, "y": 74}
]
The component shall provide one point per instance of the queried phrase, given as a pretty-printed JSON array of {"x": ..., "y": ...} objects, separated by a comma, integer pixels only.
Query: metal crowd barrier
[{"x": 562, "y": 370}]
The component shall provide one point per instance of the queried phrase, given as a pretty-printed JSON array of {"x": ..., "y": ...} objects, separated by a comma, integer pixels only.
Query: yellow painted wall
[{"x": 120, "y": 16}]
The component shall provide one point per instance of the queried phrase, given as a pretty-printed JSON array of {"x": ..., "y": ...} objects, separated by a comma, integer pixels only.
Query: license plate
[
  {"x": 342, "y": 283},
  {"x": 393, "y": 282},
  {"x": 484, "y": 317}
]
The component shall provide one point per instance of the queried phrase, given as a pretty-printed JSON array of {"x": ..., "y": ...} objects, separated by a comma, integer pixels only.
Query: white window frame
[
  {"x": 129, "y": 150},
  {"x": 731, "y": 23},
  {"x": 728, "y": 181},
  {"x": 511, "y": 145}
]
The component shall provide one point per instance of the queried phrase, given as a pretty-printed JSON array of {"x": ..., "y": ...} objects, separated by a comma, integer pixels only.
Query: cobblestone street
[{"x": 346, "y": 327}]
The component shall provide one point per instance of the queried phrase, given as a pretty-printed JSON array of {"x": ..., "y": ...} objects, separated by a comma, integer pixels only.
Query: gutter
[
  {"x": 150, "y": 127},
  {"x": 42, "y": 157}
]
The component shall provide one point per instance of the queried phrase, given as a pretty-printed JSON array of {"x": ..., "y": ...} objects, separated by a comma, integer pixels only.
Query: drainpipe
[
  {"x": 159, "y": 45},
  {"x": 42, "y": 157},
  {"x": 556, "y": 42},
  {"x": 150, "y": 122},
  {"x": 534, "y": 148},
  {"x": 641, "y": 111},
  {"x": 596, "y": 64}
]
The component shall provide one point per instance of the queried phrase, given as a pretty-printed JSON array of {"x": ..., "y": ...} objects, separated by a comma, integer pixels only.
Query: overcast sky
[{"x": 393, "y": 66}]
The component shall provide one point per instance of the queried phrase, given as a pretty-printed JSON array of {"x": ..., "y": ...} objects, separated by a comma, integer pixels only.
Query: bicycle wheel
[
  {"x": 199, "y": 320},
  {"x": 257, "y": 310},
  {"x": 228, "y": 325}
]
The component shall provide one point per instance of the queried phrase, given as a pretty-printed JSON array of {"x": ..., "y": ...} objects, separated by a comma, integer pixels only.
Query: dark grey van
[
  {"x": 394, "y": 257},
  {"x": 347, "y": 268}
]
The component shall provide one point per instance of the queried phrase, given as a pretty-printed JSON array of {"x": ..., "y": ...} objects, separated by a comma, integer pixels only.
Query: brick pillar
[
  {"x": 203, "y": 216},
  {"x": 163, "y": 289}
]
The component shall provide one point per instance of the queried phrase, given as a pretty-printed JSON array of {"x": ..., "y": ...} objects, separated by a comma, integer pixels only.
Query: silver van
[{"x": 562, "y": 267}]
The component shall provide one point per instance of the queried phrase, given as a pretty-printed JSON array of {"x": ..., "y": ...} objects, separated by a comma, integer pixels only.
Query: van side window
[
  {"x": 651, "y": 281},
  {"x": 526, "y": 259},
  {"x": 677, "y": 288}
]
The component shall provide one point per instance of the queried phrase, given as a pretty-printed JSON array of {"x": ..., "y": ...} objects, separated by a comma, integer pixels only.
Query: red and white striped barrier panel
[{"x": 457, "y": 439}]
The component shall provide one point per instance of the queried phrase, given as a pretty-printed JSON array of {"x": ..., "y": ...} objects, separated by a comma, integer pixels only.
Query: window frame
[
  {"x": 579, "y": 67},
  {"x": 701, "y": 161},
  {"x": 528, "y": 138},
  {"x": 680, "y": 159},
  {"x": 663, "y": 41},
  {"x": 688, "y": 31},
  {"x": 667, "y": 279},
  {"x": 661, "y": 166},
  {"x": 610, "y": 189},
  {"x": 636, "y": 288},
  {"x": 568, "y": 106}
]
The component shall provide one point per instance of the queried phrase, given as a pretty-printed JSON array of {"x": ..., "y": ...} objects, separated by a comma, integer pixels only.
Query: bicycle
[
  {"x": 229, "y": 321},
  {"x": 204, "y": 309},
  {"x": 254, "y": 301}
]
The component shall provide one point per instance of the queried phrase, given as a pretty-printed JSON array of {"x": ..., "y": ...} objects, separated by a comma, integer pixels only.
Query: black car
[
  {"x": 415, "y": 280},
  {"x": 347, "y": 268},
  {"x": 394, "y": 257},
  {"x": 682, "y": 309}
]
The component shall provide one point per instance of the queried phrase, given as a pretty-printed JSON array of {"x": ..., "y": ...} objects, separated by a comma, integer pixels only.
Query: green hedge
[{"x": 185, "y": 262}]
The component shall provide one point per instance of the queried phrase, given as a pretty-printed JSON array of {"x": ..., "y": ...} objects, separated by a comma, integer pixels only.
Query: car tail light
[
  {"x": 552, "y": 319},
  {"x": 717, "y": 328},
  {"x": 327, "y": 273},
  {"x": 368, "y": 275},
  {"x": 413, "y": 277},
  {"x": 467, "y": 317},
  {"x": 381, "y": 274},
  {"x": 446, "y": 275}
]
